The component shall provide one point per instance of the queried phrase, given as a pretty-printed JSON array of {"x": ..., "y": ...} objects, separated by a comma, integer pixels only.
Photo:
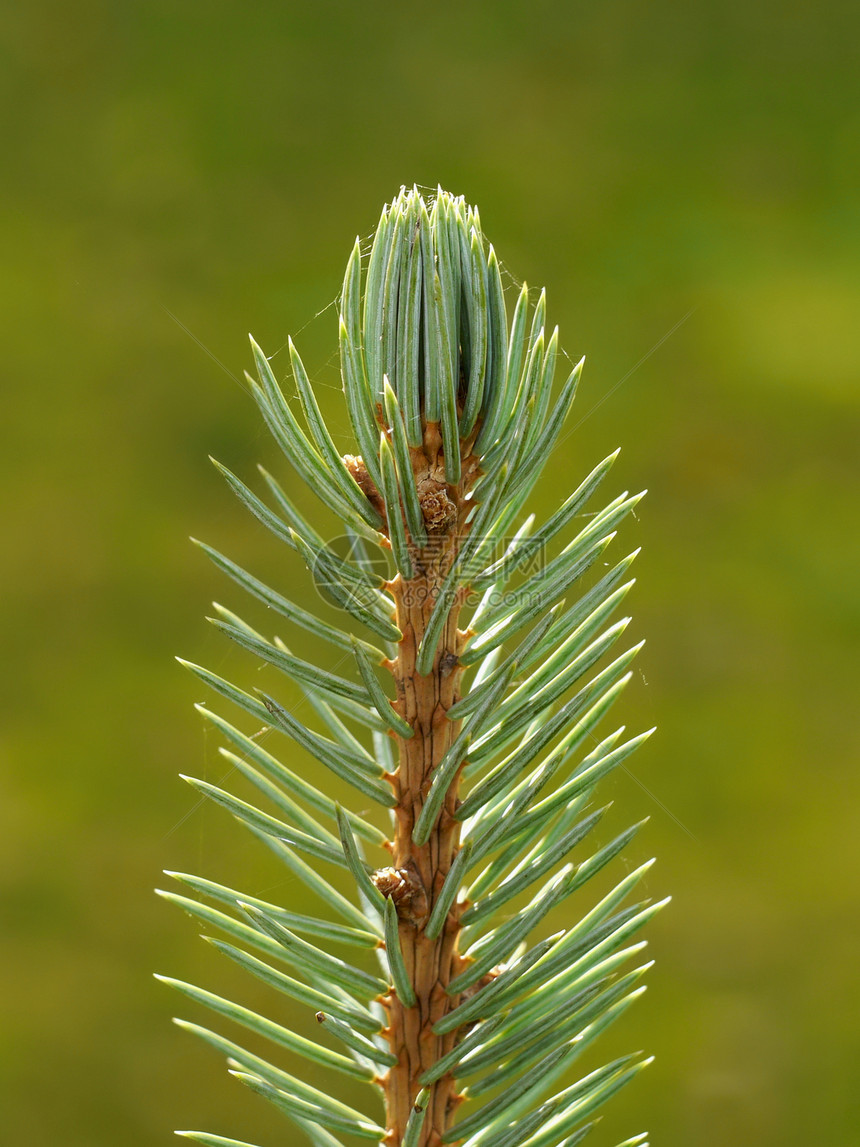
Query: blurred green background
[{"x": 683, "y": 178}]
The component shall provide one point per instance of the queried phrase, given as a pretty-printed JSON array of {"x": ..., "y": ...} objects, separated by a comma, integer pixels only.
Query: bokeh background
[{"x": 683, "y": 178}]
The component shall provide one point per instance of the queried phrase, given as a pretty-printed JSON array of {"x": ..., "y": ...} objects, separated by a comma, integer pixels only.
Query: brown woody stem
[{"x": 419, "y": 871}]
